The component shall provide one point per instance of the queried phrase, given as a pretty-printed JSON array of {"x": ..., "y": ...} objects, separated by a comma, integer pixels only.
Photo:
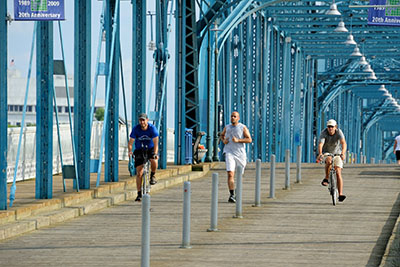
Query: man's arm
[
  {"x": 155, "y": 142},
  {"x": 320, "y": 146},
  {"x": 394, "y": 147},
  {"x": 246, "y": 135},
  {"x": 130, "y": 145},
  {"x": 222, "y": 136},
  {"x": 344, "y": 148}
]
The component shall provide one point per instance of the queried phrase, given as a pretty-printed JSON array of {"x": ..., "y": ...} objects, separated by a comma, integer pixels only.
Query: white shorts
[
  {"x": 232, "y": 162},
  {"x": 337, "y": 161}
]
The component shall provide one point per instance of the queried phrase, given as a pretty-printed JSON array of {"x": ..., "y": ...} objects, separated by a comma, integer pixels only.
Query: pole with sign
[{"x": 39, "y": 10}]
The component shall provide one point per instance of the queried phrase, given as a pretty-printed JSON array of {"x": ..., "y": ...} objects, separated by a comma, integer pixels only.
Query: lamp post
[
  {"x": 208, "y": 138},
  {"x": 216, "y": 90}
]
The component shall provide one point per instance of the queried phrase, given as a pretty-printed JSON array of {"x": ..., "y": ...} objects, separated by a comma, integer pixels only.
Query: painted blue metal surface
[
  {"x": 82, "y": 90},
  {"x": 138, "y": 58},
  {"x": 3, "y": 106},
  {"x": 161, "y": 60},
  {"x": 44, "y": 110},
  {"x": 112, "y": 28}
]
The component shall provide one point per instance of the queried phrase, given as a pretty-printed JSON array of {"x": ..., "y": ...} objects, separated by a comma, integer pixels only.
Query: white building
[{"x": 16, "y": 97}]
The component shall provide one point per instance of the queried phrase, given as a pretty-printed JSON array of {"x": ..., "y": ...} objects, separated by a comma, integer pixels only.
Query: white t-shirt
[
  {"x": 236, "y": 149},
  {"x": 398, "y": 142}
]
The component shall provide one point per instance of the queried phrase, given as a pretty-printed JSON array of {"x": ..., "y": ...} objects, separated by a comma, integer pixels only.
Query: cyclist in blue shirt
[{"x": 145, "y": 137}]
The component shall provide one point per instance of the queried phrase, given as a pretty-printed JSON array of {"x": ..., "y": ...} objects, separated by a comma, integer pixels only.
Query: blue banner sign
[
  {"x": 384, "y": 16},
  {"x": 39, "y": 9}
]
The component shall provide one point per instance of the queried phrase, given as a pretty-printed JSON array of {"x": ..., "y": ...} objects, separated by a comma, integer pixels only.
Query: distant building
[{"x": 16, "y": 98}]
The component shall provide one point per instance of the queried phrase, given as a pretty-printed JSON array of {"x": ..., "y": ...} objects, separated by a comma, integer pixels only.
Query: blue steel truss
[
  {"x": 82, "y": 92},
  {"x": 3, "y": 105},
  {"x": 44, "y": 110}
]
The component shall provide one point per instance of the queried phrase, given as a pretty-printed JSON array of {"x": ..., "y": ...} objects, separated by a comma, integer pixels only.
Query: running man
[
  {"x": 145, "y": 136},
  {"x": 234, "y": 136},
  {"x": 396, "y": 148},
  {"x": 331, "y": 140}
]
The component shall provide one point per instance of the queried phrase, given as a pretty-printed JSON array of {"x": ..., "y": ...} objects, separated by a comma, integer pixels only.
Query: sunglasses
[{"x": 330, "y": 126}]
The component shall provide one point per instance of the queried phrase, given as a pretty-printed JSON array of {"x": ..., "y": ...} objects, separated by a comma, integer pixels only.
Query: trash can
[{"x": 188, "y": 146}]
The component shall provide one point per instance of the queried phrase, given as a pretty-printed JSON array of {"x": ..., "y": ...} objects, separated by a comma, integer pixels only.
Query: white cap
[{"x": 331, "y": 123}]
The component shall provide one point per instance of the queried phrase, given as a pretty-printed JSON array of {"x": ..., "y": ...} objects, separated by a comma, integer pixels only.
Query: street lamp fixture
[
  {"x": 341, "y": 27},
  {"x": 333, "y": 11}
]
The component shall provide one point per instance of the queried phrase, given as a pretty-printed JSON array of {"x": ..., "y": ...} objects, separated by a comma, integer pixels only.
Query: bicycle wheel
[
  {"x": 333, "y": 190},
  {"x": 146, "y": 179}
]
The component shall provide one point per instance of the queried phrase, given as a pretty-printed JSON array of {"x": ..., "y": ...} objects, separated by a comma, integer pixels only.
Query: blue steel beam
[
  {"x": 111, "y": 23},
  {"x": 138, "y": 58},
  {"x": 82, "y": 89},
  {"x": 3, "y": 105},
  {"x": 161, "y": 58},
  {"x": 187, "y": 93},
  {"x": 44, "y": 110}
]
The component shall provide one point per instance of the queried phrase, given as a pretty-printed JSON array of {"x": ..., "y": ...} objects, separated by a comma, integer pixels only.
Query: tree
[{"x": 99, "y": 115}]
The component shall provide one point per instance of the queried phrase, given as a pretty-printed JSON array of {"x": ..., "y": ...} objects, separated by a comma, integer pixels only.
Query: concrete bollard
[
  {"x": 298, "y": 169},
  {"x": 372, "y": 160},
  {"x": 239, "y": 175},
  {"x": 348, "y": 157},
  {"x": 272, "y": 177},
  {"x": 214, "y": 204},
  {"x": 287, "y": 169},
  {"x": 186, "y": 216},
  {"x": 145, "y": 260},
  {"x": 257, "y": 198}
]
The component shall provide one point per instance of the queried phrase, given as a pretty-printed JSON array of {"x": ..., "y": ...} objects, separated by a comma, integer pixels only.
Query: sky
[{"x": 20, "y": 39}]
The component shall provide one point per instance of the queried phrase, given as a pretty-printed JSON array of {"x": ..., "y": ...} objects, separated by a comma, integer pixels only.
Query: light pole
[
  {"x": 216, "y": 90},
  {"x": 208, "y": 138}
]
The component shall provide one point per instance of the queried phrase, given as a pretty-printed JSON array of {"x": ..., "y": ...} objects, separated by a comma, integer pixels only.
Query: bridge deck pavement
[{"x": 300, "y": 227}]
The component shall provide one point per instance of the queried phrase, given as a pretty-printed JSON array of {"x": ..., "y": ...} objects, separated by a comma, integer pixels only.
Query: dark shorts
[
  {"x": 398, "y": 154},
  {"x": 140, "y": 155}
]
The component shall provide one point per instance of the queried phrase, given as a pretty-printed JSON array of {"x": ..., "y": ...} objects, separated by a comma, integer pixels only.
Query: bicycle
[
  {"x": 332, "y": 188},
  {"x": 146, "y": 170}
]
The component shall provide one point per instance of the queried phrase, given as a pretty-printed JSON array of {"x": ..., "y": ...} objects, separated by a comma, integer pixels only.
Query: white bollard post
[
  {"x": 239, "y": 174},
  {"x": 214, "y": 204},
  {"x": 272, "y": 177},
  {"x": 298, "y": 170},
  {"x": 186, "y": 216},
  {"x": 257, "y": 200},
  {"x": 287, "y": 170},
  {"x": 145, "y": 260}
]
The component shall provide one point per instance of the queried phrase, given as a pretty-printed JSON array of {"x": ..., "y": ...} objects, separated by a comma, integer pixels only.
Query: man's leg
[
  {"x": 339, "y": 180},
  {"x": 139, "y": 173},
  {"x": 328, "y": 166},
  {"x": 153, "y": 166},
  {"x": 231, "y": 181}
]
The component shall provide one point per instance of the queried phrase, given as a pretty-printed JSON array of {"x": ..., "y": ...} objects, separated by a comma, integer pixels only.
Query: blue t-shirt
[{"x": 144, "y": 138}]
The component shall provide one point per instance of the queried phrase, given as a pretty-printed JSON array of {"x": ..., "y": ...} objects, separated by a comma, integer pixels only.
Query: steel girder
[
  {"x": 186, "y": 86},
  {"x": 3, "y": 105},
  {"x": 44, "y": 110},
  {"x": 111, "y": 26},
  {"x": 82, "y": 90},
  {"x": 161, "y": 59},
  {"x": 138, "y": 58}
]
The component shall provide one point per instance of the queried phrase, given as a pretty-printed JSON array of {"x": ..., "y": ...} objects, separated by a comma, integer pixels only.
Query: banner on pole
[
  {"x": 384, "y": 16},
  {"x": 39, "y": 10}
]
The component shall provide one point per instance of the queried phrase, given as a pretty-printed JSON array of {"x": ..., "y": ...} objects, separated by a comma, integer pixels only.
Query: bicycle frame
[
  {"x": 146, "y": 173},
  {"x": 333, "y": 190}
]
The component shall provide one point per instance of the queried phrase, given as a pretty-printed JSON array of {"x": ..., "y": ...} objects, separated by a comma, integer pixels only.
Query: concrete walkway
[{"x": 300, "y": 227}]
